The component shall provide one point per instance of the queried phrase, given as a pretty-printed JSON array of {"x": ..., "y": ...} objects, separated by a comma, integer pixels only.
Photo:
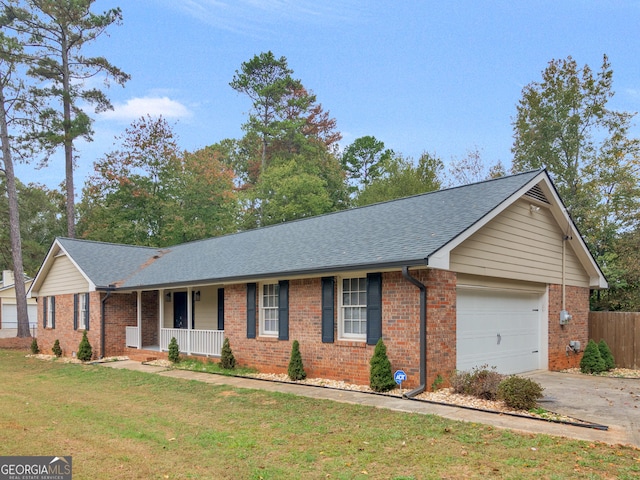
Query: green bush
[
  {"x": 174, "y": 351},
  {"x": 592, "y": 361},
  {"x": 57, "y": 351},
  {"x": 607, "y": 356},
  {"x": 85, "y": 352},
  {"x": 296, "y": 368},
  {"x": 380, "y": 375},
  {"x": 519, "y": 393},
  {"x": 227, "y": 360},
  {"x": 480, "y": 382},
  {"x": 35, "y": 349}
]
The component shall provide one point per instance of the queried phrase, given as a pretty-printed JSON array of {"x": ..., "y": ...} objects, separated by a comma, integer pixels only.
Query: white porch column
[
  {"x": 189, "y": 320},
  {"x": 160, "y": 317},
  {"x": 139, "y": 293}
]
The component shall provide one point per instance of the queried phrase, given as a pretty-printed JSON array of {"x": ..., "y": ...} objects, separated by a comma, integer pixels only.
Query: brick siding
[
  {"x": 340, "y": 360},
  {"x": 64, "y": 332},
  {"x": 577, "y": 304}
]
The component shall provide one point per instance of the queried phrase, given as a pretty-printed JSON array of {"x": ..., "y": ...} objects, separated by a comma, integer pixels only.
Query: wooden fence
[{"x": 621, "y": 331}]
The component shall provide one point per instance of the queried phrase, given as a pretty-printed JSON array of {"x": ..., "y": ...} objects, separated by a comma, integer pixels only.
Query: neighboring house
[
  {"x": 8, "y": 307},
  {"x": 491, "y": 273}
]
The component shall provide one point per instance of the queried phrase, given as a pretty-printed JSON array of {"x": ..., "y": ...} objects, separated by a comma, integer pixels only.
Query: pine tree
[
  {"x": 85, "y": 352},
  {"x": 296, "y": 368},
  {"x": 174, "y": 350},
  {"x": 57, "y": 351},
  {"x": 380, "y": 375},
  {"x": 607, "y": 356},
  {"x": 227, "y": 360},
  {"x": 34, "y": 347},
  {"x": 592, "y": 361}
]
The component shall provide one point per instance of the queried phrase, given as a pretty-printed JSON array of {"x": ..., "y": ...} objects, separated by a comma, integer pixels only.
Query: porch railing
[
  {"x": 132, "y": 337},
  {"x": 200, "y": 342}
]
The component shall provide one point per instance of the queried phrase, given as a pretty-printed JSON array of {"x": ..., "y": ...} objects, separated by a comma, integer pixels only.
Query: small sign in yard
[{"x": 400, "y": 377}]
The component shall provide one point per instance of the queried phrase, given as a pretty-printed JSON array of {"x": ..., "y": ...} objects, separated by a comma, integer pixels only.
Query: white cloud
[
  {"x": 254, "y": 17},
  {"x": 154, "y": 106}
]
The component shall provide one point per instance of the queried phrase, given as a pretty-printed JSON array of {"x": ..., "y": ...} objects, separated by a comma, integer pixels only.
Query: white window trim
[
  {"x": 360, "y": 337},
  {"x": 262, "y": 312}
]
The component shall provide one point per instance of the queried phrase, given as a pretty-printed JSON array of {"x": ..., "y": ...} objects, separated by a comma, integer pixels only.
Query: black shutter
[
  {"x": 44, "y": 312},
  {"x": 75, "y": 311},
  {"x": 328, "y": 309},
  {"x": 86, "y": 312},
  {"x": 374, "y": 308},
  {"x": 53, "y": 312},
  {"x": 251, "y": 310},
  {"x": 283, "y": 310},
  {"x": 221, "y": 309}
]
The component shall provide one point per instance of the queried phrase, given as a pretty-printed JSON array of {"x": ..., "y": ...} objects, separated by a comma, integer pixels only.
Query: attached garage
[{"x": 502, "y": 328}]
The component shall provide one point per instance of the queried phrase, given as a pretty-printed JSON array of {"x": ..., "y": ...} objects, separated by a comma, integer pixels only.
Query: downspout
[
  {"x": 102, "y": 327},
  {"x": 423, "y": 333}
]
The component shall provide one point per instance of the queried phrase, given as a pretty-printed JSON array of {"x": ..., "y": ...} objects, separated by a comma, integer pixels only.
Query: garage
[
  {"x": 10, "y": 315},
  {"x": 500, "y": 328}
]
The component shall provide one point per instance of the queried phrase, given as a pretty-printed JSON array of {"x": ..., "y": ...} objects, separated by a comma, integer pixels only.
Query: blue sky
[{"x": 442, "y": 77}]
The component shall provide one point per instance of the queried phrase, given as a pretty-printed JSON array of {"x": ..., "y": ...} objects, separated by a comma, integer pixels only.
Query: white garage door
[
  {"x": 10, "y": 315},
  {"x": 498, "y": 328}
]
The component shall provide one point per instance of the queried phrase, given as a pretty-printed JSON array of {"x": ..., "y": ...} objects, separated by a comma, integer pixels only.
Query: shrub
[
  {"x": 519, "y": 393},
  {"x": 57, "y": 351},
  {"x": 227, "y": 360},
  {"x": 607, "y": 356},
  {"x": 85, "y": 352},
  {"x": 35, "y": 349},
  {"x": 296, "y": 368},
  {"x": 380, "y": 375},
  {"x": 174, "y": 351},
  {"x": 592, "y": 361},
  {"x": 480, "y": 382}
]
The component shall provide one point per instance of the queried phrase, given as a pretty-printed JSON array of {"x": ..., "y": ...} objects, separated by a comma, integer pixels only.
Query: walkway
[{"x": 616, "y": 434}]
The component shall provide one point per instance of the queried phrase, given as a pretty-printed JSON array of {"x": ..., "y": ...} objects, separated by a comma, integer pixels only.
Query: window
[
  {"x": 353, "y": 308},
  {"x": 49, "y": 312},
  {"x": 83, "y": 310},
  {"x": 269, "y": 303}
]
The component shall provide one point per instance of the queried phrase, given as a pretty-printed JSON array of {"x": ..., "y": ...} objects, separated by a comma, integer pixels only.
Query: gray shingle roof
[{"x": 394, "y": 233}]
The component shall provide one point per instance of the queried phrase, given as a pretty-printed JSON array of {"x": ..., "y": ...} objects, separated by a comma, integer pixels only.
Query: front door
[{"x": 180, "y": 310}]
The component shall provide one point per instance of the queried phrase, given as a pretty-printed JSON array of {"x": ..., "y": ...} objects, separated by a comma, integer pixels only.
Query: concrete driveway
[{"x": 614, "y": 402}]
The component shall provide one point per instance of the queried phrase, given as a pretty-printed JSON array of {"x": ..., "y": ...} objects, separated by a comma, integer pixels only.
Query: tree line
[{"x": 288, "y": 164}]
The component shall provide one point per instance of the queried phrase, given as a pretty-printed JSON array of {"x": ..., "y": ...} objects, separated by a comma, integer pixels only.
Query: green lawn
[{"x": 125, "y": 424}]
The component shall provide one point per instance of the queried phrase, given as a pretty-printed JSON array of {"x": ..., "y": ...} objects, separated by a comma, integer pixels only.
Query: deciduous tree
[{"x": 402, "y": 179}]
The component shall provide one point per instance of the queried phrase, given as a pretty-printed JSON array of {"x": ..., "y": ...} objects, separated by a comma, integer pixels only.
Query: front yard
[{"x": 125, "y": 424}]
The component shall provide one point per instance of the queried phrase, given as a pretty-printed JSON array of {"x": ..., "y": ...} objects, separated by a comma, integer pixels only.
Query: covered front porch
[{"x": 193, "y": 315}]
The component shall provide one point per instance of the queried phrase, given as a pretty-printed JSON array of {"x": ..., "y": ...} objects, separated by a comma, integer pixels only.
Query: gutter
[
  {"x": 423, "y": 333},
  {"x": 102, "y": 327}
]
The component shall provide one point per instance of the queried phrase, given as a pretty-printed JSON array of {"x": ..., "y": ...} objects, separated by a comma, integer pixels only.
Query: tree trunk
[
  {"x": 68, "y": 141},
  {"x": 14, "y": 224}
]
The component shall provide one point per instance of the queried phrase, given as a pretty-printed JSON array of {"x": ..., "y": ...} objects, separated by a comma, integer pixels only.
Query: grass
[
  {"x": 132, "y": 425},
  {"x": 212, "y": 367}
]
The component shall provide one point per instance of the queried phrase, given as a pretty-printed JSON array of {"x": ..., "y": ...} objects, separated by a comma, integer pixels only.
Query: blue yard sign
[{"x": 399, "y": 377}]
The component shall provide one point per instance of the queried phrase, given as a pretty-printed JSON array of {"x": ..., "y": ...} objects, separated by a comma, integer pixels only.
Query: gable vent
[{"x": 537, "y": 194}]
